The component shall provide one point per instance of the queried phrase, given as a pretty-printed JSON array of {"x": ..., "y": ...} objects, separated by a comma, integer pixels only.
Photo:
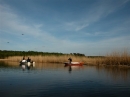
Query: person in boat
[
  {"x": 70, "y": 60},
  {"x": 28, "y": 60},
  {"x": 24, "y": 60}
]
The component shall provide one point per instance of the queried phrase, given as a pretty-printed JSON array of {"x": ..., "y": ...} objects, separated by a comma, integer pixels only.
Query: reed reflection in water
[
  {"x": 116, "y": 72},
  {"x": 57, "y": 80}
]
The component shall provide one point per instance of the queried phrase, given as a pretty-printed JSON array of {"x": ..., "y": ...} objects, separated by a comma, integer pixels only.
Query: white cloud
[
  {"x": 96, "y": 12},
  {"x": 101, "y": 9},
  {"x": 38, "y": 26},
  {"x": 81, "y": 27},
  {"x": 14, "y": 24},
  {"x": 75, "y": 26}
]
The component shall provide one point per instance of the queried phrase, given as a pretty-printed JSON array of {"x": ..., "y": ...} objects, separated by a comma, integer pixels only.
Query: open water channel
[{"x": 55, "y": 80}]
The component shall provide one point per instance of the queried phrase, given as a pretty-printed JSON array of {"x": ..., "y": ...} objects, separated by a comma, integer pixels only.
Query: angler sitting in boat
[
  {"x": 23, "y": 61},
  {"x": 28, "y": 60}
]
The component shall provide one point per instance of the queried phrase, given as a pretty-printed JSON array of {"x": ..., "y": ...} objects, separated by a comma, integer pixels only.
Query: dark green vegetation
[
  {"x": 96, "y": 56},
  {"x": 7, "y": 53}
]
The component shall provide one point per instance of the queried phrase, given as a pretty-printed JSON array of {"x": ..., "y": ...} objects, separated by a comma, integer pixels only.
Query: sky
[{"x": 90, "y": 27}]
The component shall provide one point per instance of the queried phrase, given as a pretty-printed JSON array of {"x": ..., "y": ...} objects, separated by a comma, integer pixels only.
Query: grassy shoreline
[{"x": 113, "y": 58}]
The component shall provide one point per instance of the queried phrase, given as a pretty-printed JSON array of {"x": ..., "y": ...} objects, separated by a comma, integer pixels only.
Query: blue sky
[{"x": 90, "y": 27}]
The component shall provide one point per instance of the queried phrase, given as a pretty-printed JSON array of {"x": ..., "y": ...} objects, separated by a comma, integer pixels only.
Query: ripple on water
[{"x": 55, "y": 80}]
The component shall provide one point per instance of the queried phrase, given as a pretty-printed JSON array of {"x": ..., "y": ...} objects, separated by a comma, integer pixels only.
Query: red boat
[{"x": 73, "y": 64}]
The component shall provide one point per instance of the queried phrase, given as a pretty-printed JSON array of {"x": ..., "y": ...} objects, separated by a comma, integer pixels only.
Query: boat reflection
[
  {"x": 72, "y": 67},
  {"x": 114, "y": 72},
  {"x": 28, "y": 66},
  {"x": 23, "y": 67}
]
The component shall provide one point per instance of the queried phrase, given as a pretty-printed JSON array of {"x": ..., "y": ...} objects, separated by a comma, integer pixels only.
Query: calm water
[{"x": 55, "y": 80}]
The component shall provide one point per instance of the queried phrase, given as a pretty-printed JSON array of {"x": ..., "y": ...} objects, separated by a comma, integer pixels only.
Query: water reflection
[
  {"x": 70, "y": 68},
  {"x": 47, "y": 79},
  {"x": 24, "y": 67},
  {"x": 8, "y": 64},
  {"x": 116, "y": 72},
  {"x": 27, "y": 66}
]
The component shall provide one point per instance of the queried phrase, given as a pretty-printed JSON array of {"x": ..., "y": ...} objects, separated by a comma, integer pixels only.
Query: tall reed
[
  {"x": 48, "y": 59},
  {"x": 114, "y": 58}
]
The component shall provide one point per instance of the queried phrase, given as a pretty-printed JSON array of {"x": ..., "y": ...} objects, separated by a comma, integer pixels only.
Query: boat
[
  {"x": 27, "y": 63},
  {"x": 73, "y": 64},
  {"x": 23, "y": 62}
]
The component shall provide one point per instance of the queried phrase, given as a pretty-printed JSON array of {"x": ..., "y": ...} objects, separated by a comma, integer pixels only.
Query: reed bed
[
  {"x": 48, "y": 59},
  {"x": 113, "y": 58}
]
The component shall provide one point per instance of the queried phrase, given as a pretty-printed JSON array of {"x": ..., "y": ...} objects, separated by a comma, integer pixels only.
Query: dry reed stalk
[
  {"x": 48, "y": 59},
  {"x": 114, "y": 58}
]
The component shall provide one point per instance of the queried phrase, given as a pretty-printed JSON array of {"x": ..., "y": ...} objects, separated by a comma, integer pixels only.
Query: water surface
[{"x": 55, "y": 80}]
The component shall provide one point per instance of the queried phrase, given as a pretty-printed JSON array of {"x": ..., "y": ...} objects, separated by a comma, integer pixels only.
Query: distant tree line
[
  {"x": 77, "y": 54},
  {"x": 96, "y": 56},
  {"x": 7, "y": 53}
]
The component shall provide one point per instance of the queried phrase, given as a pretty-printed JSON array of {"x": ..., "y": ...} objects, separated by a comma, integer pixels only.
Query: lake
[{"x": 56, "y": 80}]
